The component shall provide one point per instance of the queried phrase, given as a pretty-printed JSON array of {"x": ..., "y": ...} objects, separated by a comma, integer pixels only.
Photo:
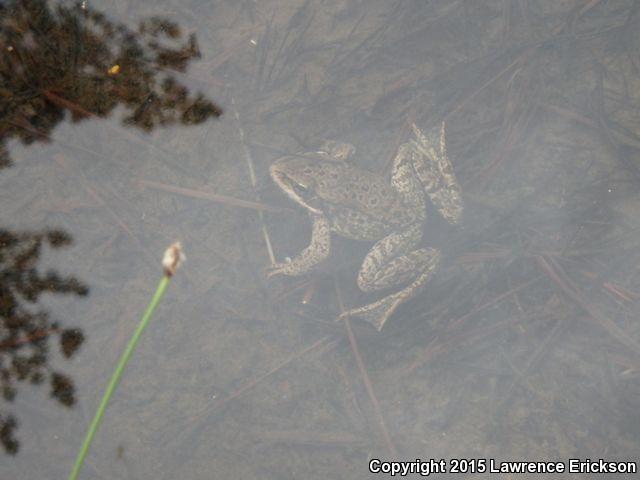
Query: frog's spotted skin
[
  {"x": 436, "y": 174},
  {"x": 359, "y": 204},
  {"x": 317, "y": 250}
]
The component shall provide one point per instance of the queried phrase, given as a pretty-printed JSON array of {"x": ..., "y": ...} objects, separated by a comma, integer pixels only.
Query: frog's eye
[{"x": 299, "y": 187}]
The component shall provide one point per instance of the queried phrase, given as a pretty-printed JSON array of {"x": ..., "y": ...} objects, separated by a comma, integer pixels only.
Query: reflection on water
[
  {"x": 74, "y": 59},
  {"x": 25, "y": 329},
  {"x": 524, "y": 345},
  {"x": 58, "y": 62}
]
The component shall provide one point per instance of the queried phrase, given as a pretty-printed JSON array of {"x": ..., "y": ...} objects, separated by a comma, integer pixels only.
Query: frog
[{"x": 344, "y": 199}]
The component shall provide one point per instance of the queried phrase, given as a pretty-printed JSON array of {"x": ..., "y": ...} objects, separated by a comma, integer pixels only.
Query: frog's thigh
[
  {"x": 401, "y": 269},
  {"x": 394, "y": 259},
  {"x": 425, "y": 261},
  {"x": 403, "y": 178}
]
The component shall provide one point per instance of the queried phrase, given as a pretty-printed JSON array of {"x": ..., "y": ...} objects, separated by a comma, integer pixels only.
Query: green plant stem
[{"x": 115, "y": 378}]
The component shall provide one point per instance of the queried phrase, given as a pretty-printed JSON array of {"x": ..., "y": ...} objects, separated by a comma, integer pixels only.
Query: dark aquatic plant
[
  {"x": 74, "y": 59},
  {"x": 25, "y": 329}
]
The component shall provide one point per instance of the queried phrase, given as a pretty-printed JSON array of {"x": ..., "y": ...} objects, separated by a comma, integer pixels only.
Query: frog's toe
[
  {"x": 376, "y": 313},
  {"x": 277, "y": 269},
  {"x": 272, "y": 271}
]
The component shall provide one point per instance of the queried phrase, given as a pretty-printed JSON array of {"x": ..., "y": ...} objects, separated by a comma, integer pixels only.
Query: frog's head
[{"x": 295, "y": 175}]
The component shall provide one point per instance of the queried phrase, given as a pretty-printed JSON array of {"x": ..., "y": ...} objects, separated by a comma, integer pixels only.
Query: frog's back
[
  {"x": 360, "y": 204},
  {"x": 356, "y": 224}
]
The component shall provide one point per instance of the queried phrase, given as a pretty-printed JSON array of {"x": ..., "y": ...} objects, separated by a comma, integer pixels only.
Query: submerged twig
[
  {"x": 215, "y": 197},
  {"x": 317, "y": 344},
  {"x": 252, "y": 177},
  {"x": 366, "y": 380},
  {"x": 560, "y": 278},
  {"x": 312, "y": 439}
]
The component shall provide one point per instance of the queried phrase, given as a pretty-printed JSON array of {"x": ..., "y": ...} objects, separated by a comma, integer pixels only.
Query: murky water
[{"x": 525, "y": 343}]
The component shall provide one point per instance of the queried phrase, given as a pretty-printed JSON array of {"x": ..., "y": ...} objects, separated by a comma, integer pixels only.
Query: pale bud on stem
[{"x": 173, "y": 257}]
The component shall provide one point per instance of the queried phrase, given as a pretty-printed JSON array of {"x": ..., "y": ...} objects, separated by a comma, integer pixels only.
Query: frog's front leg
[
  {"x": 317, "y": 251},
  {"x": 394, "y": 260}
]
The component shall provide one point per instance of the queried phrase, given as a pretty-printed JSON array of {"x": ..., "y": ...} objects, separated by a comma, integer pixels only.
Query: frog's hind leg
[
  {"x": 434, "y": 169},
  {"x": 391, "y": 262},
  {"x": 378, "y": 312}
]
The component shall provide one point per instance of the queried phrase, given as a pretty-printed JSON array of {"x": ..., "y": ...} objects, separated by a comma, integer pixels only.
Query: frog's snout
[{"x": 295, "y": 187}]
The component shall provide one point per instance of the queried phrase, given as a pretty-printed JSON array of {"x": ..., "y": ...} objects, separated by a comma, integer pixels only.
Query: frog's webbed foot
[
  {"x": 337, "y": 150},
  {"x": 375, "y": 313},
  {"x": 281, "y": 268},
  {"x": 317, "y": 251},
  {"x": 434, "y": 169}
]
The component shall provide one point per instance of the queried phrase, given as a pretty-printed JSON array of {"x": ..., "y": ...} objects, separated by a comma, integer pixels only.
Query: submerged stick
[
  {"x": 173, "y": 256},
  {"x": 366, "y": 379},
  {"x": 252, "y": 177}
]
